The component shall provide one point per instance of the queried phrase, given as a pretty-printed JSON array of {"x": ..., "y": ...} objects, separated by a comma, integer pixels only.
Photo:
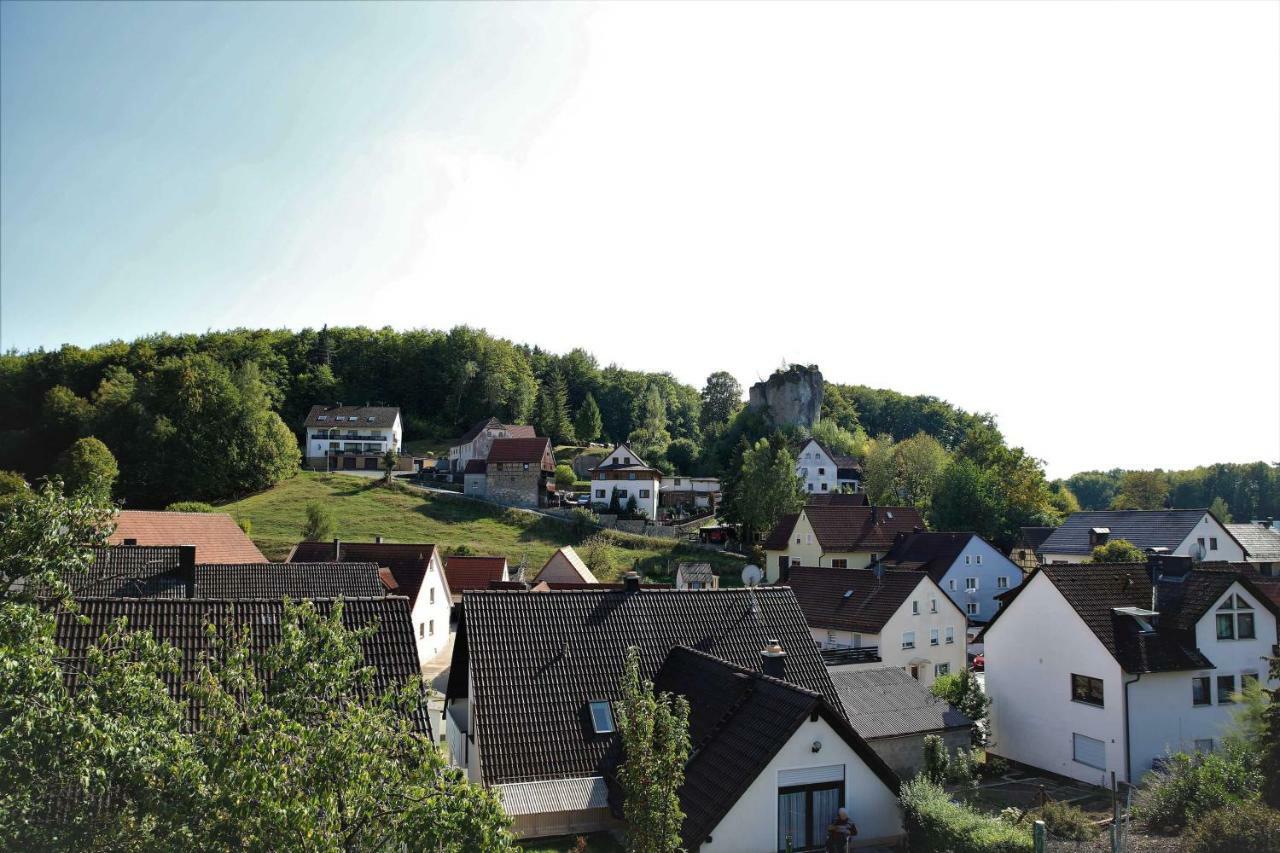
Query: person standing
[{"x": 840, "y": 832}]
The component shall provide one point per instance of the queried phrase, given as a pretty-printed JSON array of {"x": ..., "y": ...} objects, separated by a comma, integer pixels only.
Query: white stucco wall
[
  {"x": 431, "y": 613},
  {"x": 925, "y": 656},
  {"x": 475, "y": 485},
  {"x": 987, "y": 565},
  {"x": 626, "y": 489},
  {"x": 1031, "y": 653},
  {"x": 816, "y": 468},
  {"x": 751, "y": 826}
]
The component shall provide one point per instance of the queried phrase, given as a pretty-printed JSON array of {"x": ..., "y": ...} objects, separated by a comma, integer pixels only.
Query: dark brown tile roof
[
  {"x": 384, "y": 417},
  {"x": 466, "y": 573},
  {"x": 850, "y": 599},
  {"x": 547, "y": 586},
  {"x": 842, "y": 527},
  {"x": 294, "y": 580},
  {"x": 556, "y": 651},
  {"x": 217, "y": 537},
  {"x": 408, "y": 562},
  {"x": 934, "y": 553},
  {"x": 392, "y": 649},
  {"x": 738, "y": 721},
  {"x": 134, "y": 571},
  {"x": 531, "y": 450},
  {"x": 475, "y": 466},
  {"x": 477, "y": 428},
  {"x": 837, "y": 499},
  {"x": 1032, "y": 538}
]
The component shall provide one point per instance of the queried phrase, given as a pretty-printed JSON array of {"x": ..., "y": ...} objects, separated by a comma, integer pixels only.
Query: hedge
[{"x": 938, "y": 824}]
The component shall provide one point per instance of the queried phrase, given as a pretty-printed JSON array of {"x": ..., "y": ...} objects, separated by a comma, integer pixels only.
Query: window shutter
[{"x": 811, "y": 775}]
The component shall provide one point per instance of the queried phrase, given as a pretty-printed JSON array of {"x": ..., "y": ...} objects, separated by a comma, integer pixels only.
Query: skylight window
[
  {"x": 322, "y": 418},
  {"x": 602, "y": 718}
]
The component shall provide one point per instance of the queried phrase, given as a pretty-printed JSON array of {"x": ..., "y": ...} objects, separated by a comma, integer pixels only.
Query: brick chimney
[
  {"x": 773, "y": 660},
  {"x": 631, "y": 582},
  {"x": 377, "y": 540}
]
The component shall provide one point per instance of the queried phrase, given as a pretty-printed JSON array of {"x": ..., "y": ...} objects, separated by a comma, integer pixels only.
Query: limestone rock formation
[{"x": 791, "y": 397}]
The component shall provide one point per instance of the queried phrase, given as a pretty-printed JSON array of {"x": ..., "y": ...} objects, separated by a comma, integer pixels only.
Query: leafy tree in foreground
[
  {"x": 88, "y": 464},
  {"x": 565, "y": 478},
  {"x": 766, "y": 488},
  {"x": 682, "y": 454},
  {"x": 655, "y": 747},
  {"x": 964, "y": 693},
  {"x": 1118, "y": 551}
]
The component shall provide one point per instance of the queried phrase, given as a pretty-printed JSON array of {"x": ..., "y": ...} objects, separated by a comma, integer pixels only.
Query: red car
[{"x": 979, "y": 663}]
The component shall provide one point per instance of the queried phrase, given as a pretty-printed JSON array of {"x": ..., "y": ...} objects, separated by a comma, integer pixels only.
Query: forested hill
[{"x": 183, "y": 414}]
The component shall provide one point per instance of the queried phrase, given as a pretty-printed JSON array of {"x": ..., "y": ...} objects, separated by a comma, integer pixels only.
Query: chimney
[
  {"x": 874, "y": 513},
  {"x": 877, "y": 567},
  {"x": 337, "y": 550},
  {"x": 631, "y": 582},
  {"x": 187, "y": 568},
  {"x": 773, "y": 660},
  {"x": 377, "y": 540}
]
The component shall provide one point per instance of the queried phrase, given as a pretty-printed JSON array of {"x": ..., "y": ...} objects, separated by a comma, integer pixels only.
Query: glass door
[{"x": 805, "y": 812}]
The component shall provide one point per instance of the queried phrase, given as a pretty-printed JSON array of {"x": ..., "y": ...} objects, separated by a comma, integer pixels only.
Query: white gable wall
[
  {"x": 431, "y": 612},
  {"x": 751, "y": 825},
  {"x": 1209, "y": 529},
  {"x": 817, "y": 468},
  {"x": 1031, "y": 653},
  {"x": 924, "y": 656},
  {"x": 987, "y": 565}
]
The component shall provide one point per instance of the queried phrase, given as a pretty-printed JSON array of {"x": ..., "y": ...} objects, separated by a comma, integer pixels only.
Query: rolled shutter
[{"x": 811, "y": 775}]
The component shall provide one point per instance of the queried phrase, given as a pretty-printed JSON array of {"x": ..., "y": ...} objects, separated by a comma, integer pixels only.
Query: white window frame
[
  {"x": 1002, "y": 582},
  {"x": 971, "y": 608},
  {"x": 950, "y": 635},
  {"x": 970, "y": 584},
  {"x": 933, "y": 637},
  {"x": 908, "y": 639}
]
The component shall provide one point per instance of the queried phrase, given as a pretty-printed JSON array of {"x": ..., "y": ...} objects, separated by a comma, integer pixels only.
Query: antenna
[{"x": 751, "y": 576}]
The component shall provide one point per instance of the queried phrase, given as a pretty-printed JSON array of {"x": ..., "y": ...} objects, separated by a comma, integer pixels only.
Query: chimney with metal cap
[
  {"x": 773, "y": 660},
  {"x": 187, "y": 568},
  {"x": 631, "y": 582},
  {"x": 337, "y": 550}
]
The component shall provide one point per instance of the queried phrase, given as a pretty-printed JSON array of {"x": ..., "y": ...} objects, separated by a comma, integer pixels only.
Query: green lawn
[{"x": 364, "y": 509}]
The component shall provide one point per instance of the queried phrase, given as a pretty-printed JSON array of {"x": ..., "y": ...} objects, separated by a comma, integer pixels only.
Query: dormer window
[
  {"x": 371, "y": 419},
  {"x": 1235, "y": 619},
  {"x": 602, "y": 718}
]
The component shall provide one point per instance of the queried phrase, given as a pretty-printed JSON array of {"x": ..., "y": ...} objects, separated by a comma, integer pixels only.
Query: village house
[
  {"x": 824, "y": 471},
  {"x": 968, "y": 568},
  {"x": 901, "y": 619},
  {"x": 838, "y": 535},
  {"x": 475, "y": 442},
  {"x": 1180, "y": 532},
  {"x": 894, "y": 713},
  {"x": 696, "y": 576},
  {"x": 352, "y": 438},
  {"x": 565, "y": 566},
  {"x": 215, "y": 535},
  {"x": 773, "y": 754},
  {"x": 414, "y": 571},
  {"x": 694, "y": 493},
  {"x": 470, "y": 572},
  {"x": 1260, "y": 540},
  {"x": 389, "y": 650},
  {"x": 1105, "y": 668},
  {"x": 517, "y": 472},
  {"x": 624, "y": 474},
  {"x": 1025, "y": 553}
]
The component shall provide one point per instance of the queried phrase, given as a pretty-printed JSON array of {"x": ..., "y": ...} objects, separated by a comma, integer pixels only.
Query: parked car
[
  {"x": 979, "y": 663},
  {"x": 583, "y": 500}
]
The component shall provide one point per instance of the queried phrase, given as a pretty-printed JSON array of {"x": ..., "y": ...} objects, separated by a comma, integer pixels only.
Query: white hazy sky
[{"x": 1067, "y": 214}]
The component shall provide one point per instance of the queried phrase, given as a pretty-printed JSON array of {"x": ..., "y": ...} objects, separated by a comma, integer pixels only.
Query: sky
[{"x": 1065, "y": 214}]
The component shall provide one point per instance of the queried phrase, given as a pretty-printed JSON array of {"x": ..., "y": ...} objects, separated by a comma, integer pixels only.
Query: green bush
[
  {"x": 1191, "y": 787},
  {"x": 320, "y": 524},
  {"x": 938, "y": 824},
  {"x": 1066, "y": 821},
  {"x": 87, "y": 464},
  {"x": 190, "y": 506},
  {"x": 1236, "y": 828},
  {"x": 246, "y": 524},
  {"x": 584, "y": 521},
  {"x": 565, "y": 478}
]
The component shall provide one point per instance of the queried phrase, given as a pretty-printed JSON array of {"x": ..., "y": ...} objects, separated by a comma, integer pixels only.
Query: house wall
[
  {"x": 1031, "y": 653},
  {"x": 925, "y": 656},
  {"x": 751, "y": 825},
  {"x": 987, "y": 565},
  {"x": 1163, "y": 718},
  {"x": 626, "y": 489},
  {"x": 431, "y": 613},
  {"x": 905, "y": 754},
  {"x": 817, "y": 469},
  {"x": 513, "y": 484},
  {"x": 558, "y": 569},
  {"x": 804, "y": 546},
  {"x": 475, "y": 485}
]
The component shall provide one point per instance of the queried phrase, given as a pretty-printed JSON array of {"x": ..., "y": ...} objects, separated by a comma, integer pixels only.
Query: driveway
[{"x": 435, "y": 673}]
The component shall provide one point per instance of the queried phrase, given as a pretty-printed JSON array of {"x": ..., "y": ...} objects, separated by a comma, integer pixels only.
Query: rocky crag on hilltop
[{"x": 789, "y": 398}]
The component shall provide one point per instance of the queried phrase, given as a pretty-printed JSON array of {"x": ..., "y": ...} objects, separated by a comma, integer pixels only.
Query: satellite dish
[
  {"x": 1196, "y": 552},
  {"x": 751, "y": 575}
]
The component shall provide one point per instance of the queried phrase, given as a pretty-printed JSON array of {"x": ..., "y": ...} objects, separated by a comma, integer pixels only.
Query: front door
[{"x": 349, "y": 462}]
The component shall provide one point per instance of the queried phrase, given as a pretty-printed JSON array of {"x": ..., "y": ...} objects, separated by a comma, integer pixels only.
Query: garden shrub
[
  {"x": 190, "y": 506},
  {"x": 1238, "y": 827},
  {"x": 1192, "y": 786},
  {"x": 1066, "y": 821},
  {"x": 938, "y": 824}
]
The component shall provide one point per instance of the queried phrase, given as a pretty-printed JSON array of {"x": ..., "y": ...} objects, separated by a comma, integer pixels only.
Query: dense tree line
[{"x": 1234, "y": 491}]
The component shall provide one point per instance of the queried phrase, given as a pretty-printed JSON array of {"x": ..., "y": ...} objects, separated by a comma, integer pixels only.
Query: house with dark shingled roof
[
  {"x": 969, "y": 569},
  {"x": 1181, "y": 532},
  {"x": 530, "y": 711},
  {"x": 835, "y": 535},
  {"x": 1095, "y": 669}
]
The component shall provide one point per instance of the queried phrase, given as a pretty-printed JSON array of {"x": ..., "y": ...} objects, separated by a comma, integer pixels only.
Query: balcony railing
[
  {"x": 836, "y": 656},
  {"x": 321, "y": 436}
]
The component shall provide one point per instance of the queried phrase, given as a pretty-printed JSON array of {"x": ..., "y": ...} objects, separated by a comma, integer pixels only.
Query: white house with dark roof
[
  {"x": 1180, "y": 532},
  {"x": 773, "y": 753},
  {"x": 835, "y": 534},
  {"x": 351, "y": 437},
  {"x": 623, "y": 473},
  {"x": 1095, "y": 668},
  {"x": 968, "y": 568},
  {"x": 824, "y": 471}
]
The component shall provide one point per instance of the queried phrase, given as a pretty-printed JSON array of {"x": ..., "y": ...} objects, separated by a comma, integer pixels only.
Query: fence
[{"x": 1112, "y": 838}]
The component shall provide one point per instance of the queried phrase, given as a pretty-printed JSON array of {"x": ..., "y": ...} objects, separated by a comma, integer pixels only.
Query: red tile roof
[
  {"x": 217, "y": 537},
  {"x": 530, "y": 450},
  {"x": 472, "y": 572}
]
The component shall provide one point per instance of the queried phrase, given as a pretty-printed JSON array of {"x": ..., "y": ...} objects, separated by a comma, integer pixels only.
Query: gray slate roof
[
  {"x": 1261, "y": 544},
  {"x": 1160, "y": 528},
  {"x": 888, "y": 702}
]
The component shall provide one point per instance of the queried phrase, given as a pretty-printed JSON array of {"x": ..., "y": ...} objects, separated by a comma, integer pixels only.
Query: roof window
[
  {"x": 322, "y": 417},
  {"x": 371, "y": 419},
  {"x": 602, "y": 717}
]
